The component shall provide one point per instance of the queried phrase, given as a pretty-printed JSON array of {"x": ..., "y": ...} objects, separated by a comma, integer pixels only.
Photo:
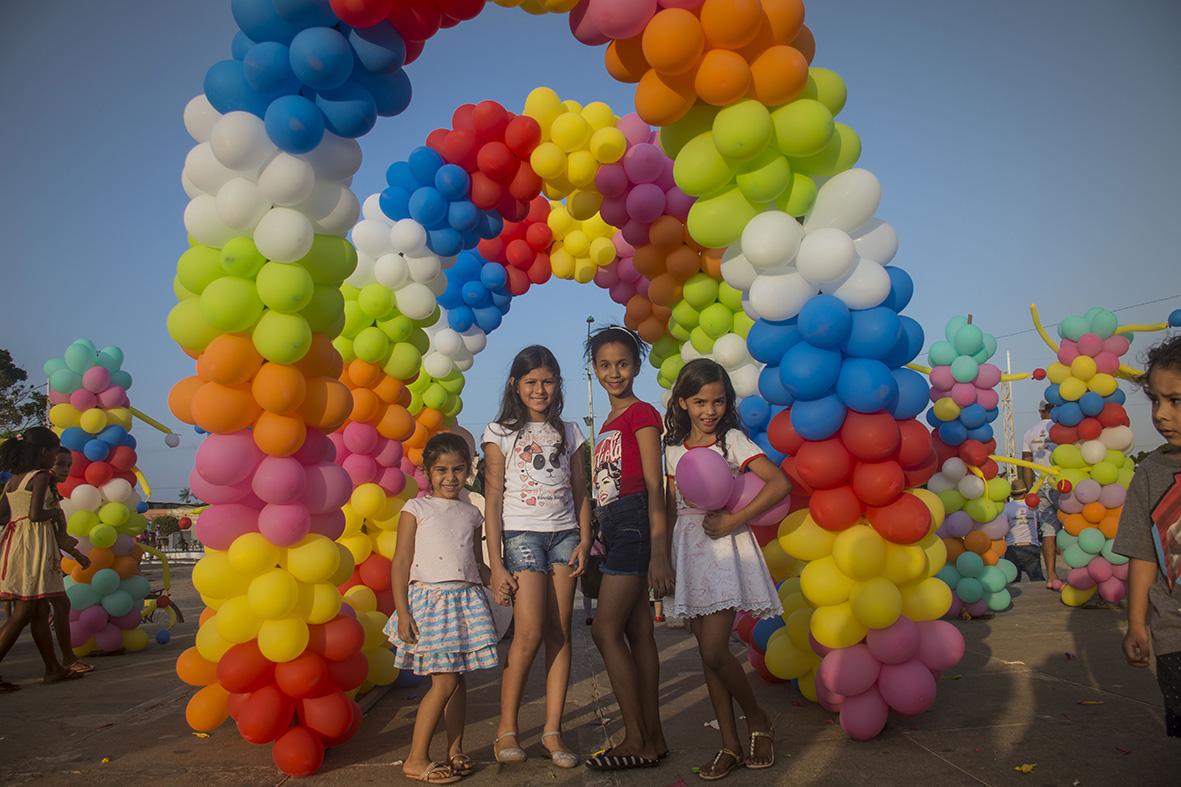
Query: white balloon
[
  {"x": 240, "y": 142},
  {"x": 876, "y": 240},
  {"x": 205, "y": 171},
  {"x": 86, "y": 497},
  {"x": 424, "y": 269},
  {"x": 955, "y": 469},
  {"x": 343, "y": 214},
  {"x": 1117, "y": 438},
  {"x": 415, "y": 300},
  {"x": 371, "y": 209},
  {"x": 781, "y": 296},
  {"x": 846, "y": 201},
  {"x": 437, "y": 285},
  {"x": 287, "y": 180},
  {"x": 940, "y": 483},
  {"x": 464, "y": 363},
  {"x": 747, "y": 309},
  {"x": 190, "y": 188},
  {"x": 199, "y": 118},
  {"x": 449, "y": 343},
  {"x": 240, "y": 204},
  {"x": 745, "y": 380},
  {"x": 409, "y": 237},
  {"x": 826, "y": 256},
  {"x": 689, "y": 352},
  {"x": 971, "y": 487},
  {"x": 335, "y": 158},
  {"x": 362, "y": 274},
  {"x": 771, "y": 240},
  {"x": 730, "y": 351},
  {"x": 203, "y": 223},
  {"x": 391, "y": 271},
  {"x": 172, "y": 440},
  {"x": 371, "y": 237},
  {"x": 117, "y": 490},
  {"x": 436, "y": 364},
  {"x": 1093, "y": 451},
  {"x": 737, "y": 270},
  {"x": 474, "y": 340},
  {"x": 284, "y": 235},
  {"x": 867, "y": 286}
]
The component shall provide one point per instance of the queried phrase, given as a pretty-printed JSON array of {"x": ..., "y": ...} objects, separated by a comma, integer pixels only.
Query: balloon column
[{"x": 91, "y": 412}]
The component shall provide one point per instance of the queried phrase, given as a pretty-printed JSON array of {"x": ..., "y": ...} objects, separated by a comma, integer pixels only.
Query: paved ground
[{"x": 1041, "y": 685}]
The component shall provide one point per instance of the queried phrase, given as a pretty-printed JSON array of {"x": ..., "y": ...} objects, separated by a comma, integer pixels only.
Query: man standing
[
  {"x": 1021, "y": 541},
  {"x": 1036, "y": 447}
]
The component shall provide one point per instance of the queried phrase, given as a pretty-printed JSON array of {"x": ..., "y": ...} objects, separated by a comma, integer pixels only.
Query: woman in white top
[{"x": 537, "y": 511}]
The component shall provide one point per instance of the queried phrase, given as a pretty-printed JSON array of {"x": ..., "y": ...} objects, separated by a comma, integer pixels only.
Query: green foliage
[
  {"x": 22, "y": 404},
  {"x": 166, "y": 525}
]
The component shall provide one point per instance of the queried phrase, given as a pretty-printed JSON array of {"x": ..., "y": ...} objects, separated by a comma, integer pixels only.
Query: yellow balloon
[
  {"x": 64, "y": 415},
  {"x": 934, "y": 504},
  {"x": 361, "y": 598},
  {"x": 789, "y": 586},
  {"x": 946, "y": 409},
  {"x": 837, "y": 627},
  {"x": 235, "y": 621},
  {"x": 779, "y": 564},
  {"x": 282, "y": 640},
  {"x": 799, "y": 625},
  {"x": 792, "y": 602},
  {"x": 344, "y": 569},
  {"x": 823, "y": 583},
  {"x": 214, "y": 576},
  {"x": 783, "y": 659},
  {"x": 905, "y": 563},
  {"x": 325, "y": 603},
  {"x": 583, "y": 204},
  {"x": 314, "y": 559},
  {"x": 352, "y": 520},
  {"x": 562, "y": 263},
  {"x": 807, "y": 686},
  {"x": 135, "y": 640},
  {"x": 119, "y": 416},
  {"x": 859, "y": 552},
  {"x": 803, "y": 539},
  {"x": 386, "y": 543},
  {"x": 86, "y": 649},
  {"x": 381, "y": 666},
  {"x": 273, "y": 595},
  {"x": 93, "y": 420},
  {"x": 876, "y": 603},
  {"x": 368, "y": 500},
  {"x": 543, "y": 105},
  {"x": 570, "y": 131},
  {"x": 360, "y": 546},
  {"x": 210, "y": 644},
  {"x": 374, "y": 624},
  {"x": 548, "y": 161},
  {"x": 252, "y": 553},
  {"x": 1072, "y": 389},
  {"x": 936, "y": 552},
  {"x": 1103, "y": 384},
  {"x": 1083, "y": 367},
  {"x": 1076, "y": 597},
  {"x": 927, "y": 599},
  {"x": 608, "y": 145},
  {"x": 599, "y": 115},
  {"x": 1057, "y": 373},
  {"x": 581, "y": 168}
]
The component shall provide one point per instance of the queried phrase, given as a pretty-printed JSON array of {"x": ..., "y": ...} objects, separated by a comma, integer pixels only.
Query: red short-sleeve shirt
[{"x": 618, "y": 468}]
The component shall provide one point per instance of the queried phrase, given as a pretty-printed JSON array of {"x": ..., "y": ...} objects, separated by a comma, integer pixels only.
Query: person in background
[
  {"x": 1023, "y": 548},
  {"x": 1036, "y": 447}
]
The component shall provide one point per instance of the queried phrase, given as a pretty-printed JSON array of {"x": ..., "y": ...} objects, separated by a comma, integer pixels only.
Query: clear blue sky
[{"x": 1027, "y": 151}]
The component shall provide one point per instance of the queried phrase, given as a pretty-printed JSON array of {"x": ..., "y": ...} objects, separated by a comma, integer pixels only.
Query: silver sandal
[
  {"x": 562, "y": 759},
  {"x": 508, "y": 753}
]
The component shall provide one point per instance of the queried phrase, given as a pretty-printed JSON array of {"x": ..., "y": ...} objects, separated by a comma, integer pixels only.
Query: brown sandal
[
  {"x": 461, "y": 765},
  {"x": 435, "y": 773},
  {"x": 754, "y": 736},
  {"x": 715, "y": 771},
  {"x": 80, "y": 667}
]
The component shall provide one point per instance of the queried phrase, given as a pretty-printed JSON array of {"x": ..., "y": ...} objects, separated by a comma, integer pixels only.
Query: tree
[
  {"x": 166, "y": 525},
  {"x": 22, "y": 404},
  {"x": 185, "y": 495}
]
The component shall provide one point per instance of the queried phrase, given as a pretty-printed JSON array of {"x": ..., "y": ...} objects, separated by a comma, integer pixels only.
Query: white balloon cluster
[
  {"x": 955, "y": 475},
  {"x": 395, "y": 255},
  {"x": 239, "y": 183},
  {"x": 730, "y": 352},
  {"x": 840, "y": 249},
  {"x": 85, "y": 497},
  {"x": 451, "y": 350}
]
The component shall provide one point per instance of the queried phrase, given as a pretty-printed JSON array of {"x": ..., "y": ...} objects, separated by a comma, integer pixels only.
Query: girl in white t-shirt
[
  {"x": 442, "y": 625},
  {"x": 536, "y": 510},
  {"x": 717, "y": 561}
]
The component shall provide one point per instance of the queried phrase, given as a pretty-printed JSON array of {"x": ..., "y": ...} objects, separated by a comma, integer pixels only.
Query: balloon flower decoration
[{"x": 91, "y": 412}]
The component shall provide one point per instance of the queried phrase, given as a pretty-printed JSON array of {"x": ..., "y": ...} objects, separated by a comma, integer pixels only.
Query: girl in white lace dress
[{"x": 718, "y": 565}]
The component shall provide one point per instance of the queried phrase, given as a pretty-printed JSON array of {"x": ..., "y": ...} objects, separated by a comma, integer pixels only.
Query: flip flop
[
  {"x": 754, "y": 736},
  {"x": 461, "y": 765},
  {"x": 619, "y": 762},
  {"x": 714, "y": 773},
  {"x": 65, "y": 678},
  {"x": 435, "y": 773},
  {"x": 80, "y": 667}
]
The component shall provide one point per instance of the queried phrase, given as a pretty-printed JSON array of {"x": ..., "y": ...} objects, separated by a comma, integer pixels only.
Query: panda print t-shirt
[{"x": 537, "y": 491}]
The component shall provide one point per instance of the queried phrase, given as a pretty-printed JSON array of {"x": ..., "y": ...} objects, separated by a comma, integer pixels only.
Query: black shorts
[
  {"x": 624, "y": 530},
  {"x": 1168, "y": 676}
]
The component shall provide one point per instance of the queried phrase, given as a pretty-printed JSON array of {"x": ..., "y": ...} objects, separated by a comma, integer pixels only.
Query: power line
[{"x": 1120, "y": 309}]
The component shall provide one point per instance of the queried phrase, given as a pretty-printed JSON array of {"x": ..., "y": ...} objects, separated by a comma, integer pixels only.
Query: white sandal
[
  {"x": 508, "y": 753},
  {"x": 562, "y": 759}
]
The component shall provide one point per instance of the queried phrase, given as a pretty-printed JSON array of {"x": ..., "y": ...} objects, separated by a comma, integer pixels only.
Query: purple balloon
[
  {"x": 642, "y": 286},
  {"x": 864, "y": 715},
  {"x": 941, "y": 645},
  {"x": 953, "y": 611},
  {"x": 129, "y": 621},
  {"x": 1113, "y": 496},
  {"x": 614, "y": 210},
  {"x": 636, "y": 232},
  {"x": 677, "y": 203},
  {"x": 908, "y": 688},
  {"x": 622, "y": 293},
  {"x": 123, "y": 545},
  {"x": 977, "y": 609},
  {"x": 627, "y": 270},
  {"x": 645, "y": 202},
  {"x": 110, "y": 638},
  {"x": 644, "y": 163},
  {"x": 330, "y": 524},
  {"x": 1087, "y": 491},
  {"x": 93, "y": 619},
  {"x": 958, "y": 525},
  {"x": 1069, "y": 504},
  {"x": 997, "y": 528},
  {"x": 607, "y": 276},
  {"x": 611, "y": 181},
  {"x": 849, "y": 671},
  {"x": 317, "y": 449},
  {"x": 895, "y": 644},
  {"x": 666, "y": 180},
  {"x": 703, "y": 478}
]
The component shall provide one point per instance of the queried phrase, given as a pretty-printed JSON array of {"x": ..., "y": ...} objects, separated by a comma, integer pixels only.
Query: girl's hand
[
  {"x": 1136, "y": 646},
  {"x": 661, "y": 577},
  {"x": 407, "y": 629},
  {"x": 578, "y": 560},
  {"x": 81, "y": 559},
  {"x": 719, "y": 524},
  {"x": 503, "y": 585}
]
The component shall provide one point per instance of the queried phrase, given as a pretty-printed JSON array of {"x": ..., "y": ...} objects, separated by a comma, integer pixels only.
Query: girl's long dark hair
[
  {"x": 29, "y": 451},
  {"x": 694, "y": 376},
  {"x": 513, "y": 415}
]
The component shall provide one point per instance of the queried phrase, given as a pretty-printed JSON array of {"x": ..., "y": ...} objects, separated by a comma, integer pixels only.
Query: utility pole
[
  {"x": 1009, "y": 424},
  {"x": 589, "y": 371}
]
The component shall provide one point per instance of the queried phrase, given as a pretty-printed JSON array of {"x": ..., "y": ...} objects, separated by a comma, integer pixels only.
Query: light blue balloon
[
  {"x": 81, "y": 596},
  {"x": 993, "y": 579},
  {"x": 121, "y": 379},
  {"x": 1009, "y": 569},
  {"x": 941, "y": 354},
  {"x": 1104, "y": 323},
  {"x": 118, "y": 603},
  {"x": 948, "y": 575},
  {"x": 969, "y": 590},
  {"x": 953, "y": 327},
  {"x": 964, "y": 369},
  {"x": 110, "y": 358},
  {"x": 1075, "y": 557},
  {"x": 105, "y": 581},
  {"x": 65, "y": 381},
  {"x": 1073, "y": 327},
  {"x": 80, "y": 356},
  {"x": 1000, "y": 600},
  {"x": 136, "y": 586},
  {"x": 968, "y": 340},
  {"x": 970, "y": 565},
  {"x": 1113, "y": 557}
]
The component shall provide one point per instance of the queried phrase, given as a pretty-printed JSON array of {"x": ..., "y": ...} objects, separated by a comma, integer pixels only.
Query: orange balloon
[
  {"x": 637, "y": 310},
  {"x": 396, "y": 423},
  {"x": 995, "y": 551},
  {"x": 279, "y": 435},
  {"x": 649, "y": 261},
  {"x": 784, "y": 18},
  {"x": 661, "y": 100},
  {"x": 389, "y": 390},
  {"x": 723, "y": 78},
  {"x": 666, "y": 233},
  {"x": 77, "y": 573},
  {"x": 1075, "y": 524},
  {"x": 430, "y": 419},
  {"x": 127, "y": 566},
  {"x": 101, "y": 558},
  {"x": 711, "y": 263},
  {"x": 415, "y": 455},
  {"x": 279, "y": 388},
  {"x": 778, "y": 75},
  {"x": 683, "y": 263},
  {"x": 230, "y": 359},
  {"x": 321, "y": 360},
  {"x": 327, "y": 404},
  {"x": 625, "y": 60},
  {"x": 662, "y": 313},
  {"x": 206, "y": 615},
  {"x": 68, "y": 564},
  {"x": 665, "y": 290},
  {"x": 806, "y": 43},
  {"x": 363, "y": 374},
  {"x": 419, "y": 438},
  {"x": 180, "y": 398},
  {"x": 1110, "y": 523},
  {"x": 955, "y": 548},
  {"x": 1094, "y": 512},
  {"x": 223, "y": 409},
  {"x": 673, "y": 41},
  {"x": 977, "y": 542},
  {"x": 366, "y": 406},
  {"x": 731, "y": 24},
  {"x": 652, "y": 329},
  {"x": 194, "y": 669},
  {"x": 208, "y": 708}
]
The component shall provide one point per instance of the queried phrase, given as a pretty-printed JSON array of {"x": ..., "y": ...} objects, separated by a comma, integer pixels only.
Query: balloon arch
[{"x": 738, "y": 230}]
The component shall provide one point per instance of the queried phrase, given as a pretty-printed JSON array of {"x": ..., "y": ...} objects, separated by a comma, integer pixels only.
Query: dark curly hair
[
  {"x": 513, "y": 416},
  {"x": 616, "y": 334},
  {"x": 1164, "y": 355},
  {"x": 33, "y": 449},
  {"x": 694, "y": 376}
]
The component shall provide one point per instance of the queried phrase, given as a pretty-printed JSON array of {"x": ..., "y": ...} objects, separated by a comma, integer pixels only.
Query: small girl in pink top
[{"x": 442, "y": 625}]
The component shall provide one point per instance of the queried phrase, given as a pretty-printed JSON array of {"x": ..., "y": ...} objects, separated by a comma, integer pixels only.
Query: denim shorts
[
  {"x": 623, "y": 528},
  {"x": 529, "y": 550}
]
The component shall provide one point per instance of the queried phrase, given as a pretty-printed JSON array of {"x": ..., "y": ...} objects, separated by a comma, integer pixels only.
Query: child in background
[
  {"x": 719, "y": 567},
  {"x": 1022, "y": 547},
  {"x": 442, "y": 625},
  {"x": 60, "y": 605},
  {"x": 1150, "y": 534}
]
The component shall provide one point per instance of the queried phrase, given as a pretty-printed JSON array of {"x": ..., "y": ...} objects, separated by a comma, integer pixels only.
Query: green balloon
[
  {"x": 968, "y": 340},
  {"x": 404, "y": 361},
  {"x": 454, "y": 407},
  {"x": 989, "y": 347},
  {"x": 197, "y": 267},
  {"x": 1067, "y": 456},
  {"x": 354, "y": 318},
  {"x": 952, "y": 500},
  {"x": 827, "y": 87},
  {"x": 717, "y": 320},
  {"x": 982, "y": 509},
  {"x": 742, "y": 324},
  {"x": 700, "y": 291},
  {"x": 1075, "y": 556},
  {"x": 998, "y": 489},
  {"x": 799, "y": 197},
  {"x": 953, "y": 327},
  {"x": 671, "y": 368},
  {"x": 1009, "y": 568},
  {"x": 993, "y": 579},
  {"x": 1091, "y": 541},
  {"x": 67, "y": 380},
  {"x": 1000, "y": 600},
  {"x": 1125, "y": 475},
  {"x": 941, "y": 354},
  {"x": 186, "y": 325},
  {"x": 730, "y": 297},
  {"x": 103, "y": 536},
  {"x": 698, "y": 120},
  {"x": 421, "y": 341},
  {"x": 241, "y": 258},
  {"x": 344, "y": 346},
  {"x": 765, "y": 183},
  {"x": 282, "y": 338},
  {"x": 453, "y": 383},
  {"x": 1116, "y": 459},
  {"x": 415, "y": 406},
  {"x": 679, "y": 332},
  {"x": 969, "y": 590},
  {"x": 179, "y": 291},
  {"x": 964, "y": 369},
  {"x": 376, "y": 301},
  {"x": 803, "y": 128},
  {"x": 1105, "y": 473},
  {"x": 331, "y": 260},
  {"x": 1064, "y": 540},
  {"x": 398, "y": 328},
  {"x": 701, "y": 341},
  {"x": 665, "y": 347},
  {"x": 717, "y": 221},
  {"x": 685, "y": 315},
  {"x": 435, "y": 397},
  {"x": 371, "y": 345},
  {"x": 325, "y": 311},
  {"x": 841, "y": 153},
  {"x": 699, "y": 169},
  {"x": 1104, "y": 323},
  {"x": 743, "y": 130},
  {"x": 231, "y": 304},
  {"x": 1073, "y": 327},
  {"x": 285, "y": 288},
  {"x": 1113, "y": 557}
]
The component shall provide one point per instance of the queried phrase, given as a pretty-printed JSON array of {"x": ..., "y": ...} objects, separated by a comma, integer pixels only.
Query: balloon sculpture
[{"x": 91, "y": 412}]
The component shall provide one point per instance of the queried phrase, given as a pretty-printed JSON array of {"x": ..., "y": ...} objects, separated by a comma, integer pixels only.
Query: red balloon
[
  {"x": 350, "y": 673},
  {"x": 353, "y": 580},
  {"x": 914, "y": 446},
  {"x": 920, "y": 475},
  {"x": 904, "y": 521},
  {"x": 783, "y": 435},
  {"x": 416, "y": 22},
  {"x": 1063, "y": 435},
  {"x": 744, "y": 626},
  {"x": 511, "y": 208},
  {"x": 522, "y": 135},
  {"x": 1090, "y": 429},
  {"x": 974, "y": 452},
  {"x": 486, "y": 192},
  {"x": 435, "y": 141},
  {"x": 354, "y": 726},
  {"x": 539, "y": 236},
  {"x": 540, "y": 271},
  {"x": 122, "y": 458},
  {"x": 235, "y": 703},
  {"x": 871, "y": 437},
  {"x": 760, "y": 666},
  {"x": 526, "y": 184},
  {"x": 413, "y": 50},
  {"x": 496, "y": 161},
  {"x": 375, "y": 572},
  {"x": 265, "y": 715},
  {"x": 520, "y": 254},
  {"x": 798, "y": 485},
  {"x": 1032, "y": 500},
  {"x": 1114, "y": 415},
  {"x": 835, "y": 509},
  {"x": 337, "y": 639},
  {"x": 184, "y": 523},
  {"x": 385, "y": 602},
  {"x": 329, "y": 715},
  {"x": 990, "y": 469},
  {"x": 98, "y": 473},
  {"x": 67, "y": 487},
  {"x": 765, "y": 534},
  {"x": 878, "y": 483},
  {"x": 243, "y": 669},
  {"x": 518, "y": 281},
  {"x": 78, "y": 463},
  {"x": 461, "y": 10},
  {"x": 823, "y": 464},
  {"x": 361, "y": 13},
  {"x": 459, "y": 147},
  {"x": 942, "y": 450},
  {"x": 304, "y": 676},
  {"x": 490, "y": 119},
  {"x": 300, "y": 752}
]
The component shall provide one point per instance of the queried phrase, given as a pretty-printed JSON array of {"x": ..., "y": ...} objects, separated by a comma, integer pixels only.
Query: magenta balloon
[
  {"x": 703, "y": 478},
  {"x": 110, "y": 638},
  {"x": 987, "y": 399},
  {"x": 665, "y": 179},
  {"x": 623, "y": 249},
  {"x": 129, "y": 621},
  {"x": 864, "y": 715},
  {"x": 941, "y": 646},
  {"x": 618, "y": 18},
  {"x": 744, "y": 489},
  {"x": 330, "y": 524},
  {"x": 317, "y": 448},
  {"x": 220, "y": 524},
  {"x": 895, "y": 644},
  {"x": 279, "y": 479},
  {"x": 849, "y": 671},
  {"x": 361, "y": 469},
  {"x": 636, "y": 232},
  {"x": 1099, "y": 569},
  {"x": 607, "y": 276},
  {"x": 963, "y": 394},
  {"x": 79, "y": 634},
  {"x": 112, "y": 397},
  {"x": 389, "y": 453},
  {"x": 360, "y": 438},
  {"x": 958, "y": 524},
  {"x": 392, "y": 481},
  {"x": 645, "y": 203},
  {"x": 584, "y": 26},
  {"x": 284, "y": 525},
  {"x": 988, "y": 376},
  {"x": 93, "y": 619},
  {"x": 642, "y": 285},
  {"x": 227, "y": 459},
  {"x": 627, "y": 270},
  {"x": 613, "y": 210},
  {"x": 407, "y": 466},
  {"x": 908, "y": 688},
  {"x": 611, "y": 181},
  {"x": 83, "y": 400},
  {"x": 1112, "y": 590},
  {"x": 773, "y": 515},
  {"x": 96, "y": 379},
  {"x": 1090, "y": 344},
  {"x": 1080, "y": 578},
  {"x": 677, "y": 203},
  {"x": 1120, "y": 571},
  {"x": 941, "y": 377},
  {"x": 644, "y": 163},
  {"x": 327, "y": 487},
  {"x": 976, "y": 609},
  {"x": 1087, "y": 491},
  {"x": 635, "y": 129}
]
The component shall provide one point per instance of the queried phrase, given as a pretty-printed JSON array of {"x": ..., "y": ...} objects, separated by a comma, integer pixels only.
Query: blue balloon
[
  {"x": 1119, "y": 397},
  {"x": 973, "y": 416},
  {"x": 391, "y": 91},
  {"x": 494, "y": 276},
  {"x": 424, "y": 163},
  {"x": 96, "y": 450},
  {"x": 1091, "y": 403},
  {"x": 162, "y": 637},
  {"x": 141, "y": 506},
  {"x": 453, "y": 182},
  {"x": 294, "y": 124},
  {"x": 982, "y": 434},
  {"x": 488, "y": 318},
  {"x": 228, "y": 91},
  {"x": 321, "y": 57},
  {"x": 771, "y": 387},
  {"x": 306, "y": 13},
  {"x": 901, "y": 289},
  {"x": 460, "y": 318},
  {"x": 113, "y": 435},
  {"x": 467, "y": 266},
  {"x": 501, "y": 301},
  {"x": 259, "y": 20},
  {"x": 763, "y": 631},
  {"x": 809, "y": 372},
  {"x": 1175, "y": 318},
  {"x": 349, "y": 110},
  {"x": 818, "y": 419},
  {"x": 240, "y": 45},
  {"x": 874, "y": 333},
  {"x": 913, "y": 394},
  {"x": 378, "y": 48},
  {"x": 1052, "y": 395},
  {"x": 475, "y": 294},
  {"x": 75, "y": 438},
  {"x": 445, "y": 242},
  {"x": 825, "y": 322},
  {"x": 755, "y": 414},
  {"x": 866, "y": 385},
  {"x": 953, "y": 433},
  {"x": 932, "y": 419},
  {"x": 429, "y": 208},
  {"x": 401, "y": 176},
  {"x": 267, "y": 67},
  {"x": 768, "y": 341},
  {"x": 463, "y": 216},
  {"x": 395, "y": 203},
  {"x": 1068, "y": 414},
  {"x": 908, "y": 346},
  {"x": 492, "y": 224}
]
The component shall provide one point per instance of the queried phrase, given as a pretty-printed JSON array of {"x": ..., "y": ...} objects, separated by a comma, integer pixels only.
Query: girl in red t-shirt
[{"x": 633, "y": 526}]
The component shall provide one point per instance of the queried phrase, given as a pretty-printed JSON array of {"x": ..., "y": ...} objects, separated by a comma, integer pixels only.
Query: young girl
[
  {"x": 442, "y": 625},
  {"x": 1150, "y": 534},
  {"x": 29, "y": 559},
  {"x": 634, "y": 528},
  {"x": 719, "y": 567},
  {"x": 540, "y": 517}
]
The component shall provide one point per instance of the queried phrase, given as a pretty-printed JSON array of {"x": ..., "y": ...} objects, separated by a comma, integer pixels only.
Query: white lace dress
[{"x": 724, "y": 573}]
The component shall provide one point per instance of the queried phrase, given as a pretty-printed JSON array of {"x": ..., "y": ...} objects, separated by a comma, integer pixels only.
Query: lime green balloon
[
  {"x": 698, "y": 120},
  {"x": 998, "y": 489},
  {"x": 717, "y": 320},
  {"x": 1105, "y": 473},
  {"x": 1104, "y": 323},
  {"x": 325, "y": 311},
  {"x": 742, "y": 323},
  {"x": 743, "y": 130},
  {"x": 964, "y": 369},
  {"x": 1075, "y": 476},
  {"x": 285, "y": 288},
  {"x": 197, "y": 267},
  {"x": 103, "y": 536},
  {"x": 453, "y": 383},
  {"x": 664, "y": 347},
  {"x": 404, "y": 361},
  {"x": 188, "y": 327},
  {"x": 968, "y": 340},
  {"x": 1091, "y": 541},
  {"x": 415, "y": 406},
  {"x": 354, "y": 318},
  {"x": 331, "y": 260},
  {"x": 799, "y": 197},
  {"x": 1068, "y": 456},
  {"x": 729, "y": 297},
  {"x": 827, "y": 87},
  {"x": 454, "y": 407},
  {"x": 716, "y": 222},
  {"x": 282, "y": 338},
  {"x": 371, "y": 345},
  {"x": 700, "y": 169},
  {"x": 701, "y": 341},
  {"x": 1116, "y": 459},
  {"x": 398, "y": 328},
  {"x": 941, "y": 353},
  {"x": 952, "y": 500},
  {"x": 1073, "y": 327},
  {"x": 241, "y": 258},
  {"x": 376, "y": 301},
  {"x": 231, "y": 304},
  {"x": 685, "y": 315},
  {"x": 700, "y": 291},
  {"x": 1125, "y": 475},
  {"x": 767, "y": 181},
  {"x": 678, "y": 332},
  {"x": 841, "y": 153},
  {"x": 344, "y": 346},
  {"x": 671, "y": 368},
  {"x": 803, "y": 127},
  {"x": 981, "y": 509},
  {"x": 421, "y": 341},
  {"x": 179, "y": 290},
  {"x": 435, "y": 397}
]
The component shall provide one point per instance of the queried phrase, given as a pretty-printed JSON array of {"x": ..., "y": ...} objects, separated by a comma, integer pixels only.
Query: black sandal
[{"x": 619, "y": 762}]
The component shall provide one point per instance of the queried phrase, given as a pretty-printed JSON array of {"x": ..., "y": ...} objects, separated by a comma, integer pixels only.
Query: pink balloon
[
  {"x": 817, "y": 648},
  {"x": 1113, "y": 590},
  {"x": 93, "y": 619},
  {"x": 987, "y": 399},
  {"x": 746, "y": 487},
  {"x": 607, "y": 276},
  {"x": 1120, "y": 571},
  {"x": 645, "y": 203},
  {"x": 677, "y": 203},
  {"x": 1099, "y": 569},
  {"x": 217, "y": 493},
  {"x": 330, "y": 524},
  {"x": 627, "y": 270},
  {"x": 57, "y": 397},
  {"x": 988, "y": 376},
  {"x": 83, "y": 400},
  {"x": 622, "y": 293},
  {"x": 284, "y": 525},
  {"x": 96, "y": 379},
  {"x": 129, "y": 621},
  {"x": 1080, "y": 578},
  {"x": 635, "y": 129},
  {"x": 644, "y": 163},
  {"x": 110, "y": 638},
  {"x": 1117, "y": 345},
  {"x": 327, "y": 487},
  {"x": 220, "y": 524},
  {"x": 227, "y": 459},
  {"x": 113, "y": 397},
  {"x": 361, "y": 438},
  {"x": 619, "y": 18},
  {"x": 611, "y": 180},
  {"x": 895, "y": 644},
  {"x": 864, "y": 716},
  {"x": 1106, "y": 362},
  {"x": 941, "y": 646},
  {"x": 850, "y": 670},
  {"x": 584, "y": 26},
  {"x": 941, "y": 377},
  {"x": 963, "y": 394},
  {"x": 1067, "y": 351},
  {"x": 389, "y": 453},
  {"x": 279, "y": 479},
  {"x": 703, "y": 478},
  {"x": 407, "y": 467},
  {"x": 908, "y": 688},
  {"x": 1090, "y": 344},
  {"x": 392, "y": 480},
  {"x": 622, "y": 247},
  {"x": 828, "y": 699},
  {"x": 79, "y": 635},
  {"x": 361, "y": 469}
]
